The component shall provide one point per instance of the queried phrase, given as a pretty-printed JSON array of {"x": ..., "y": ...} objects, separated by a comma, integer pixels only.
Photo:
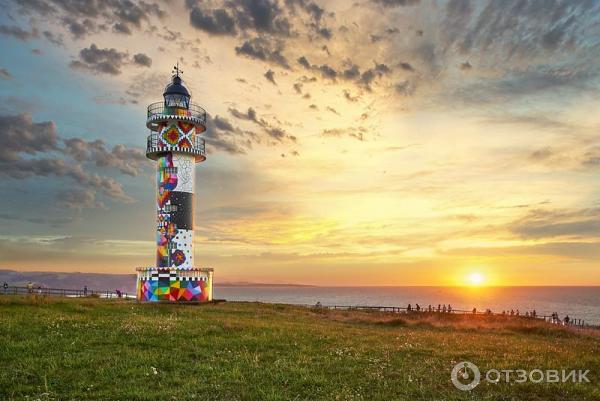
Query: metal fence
[
  {"x": 63, "y": 292},
  {"x": 473, "y": 312}
]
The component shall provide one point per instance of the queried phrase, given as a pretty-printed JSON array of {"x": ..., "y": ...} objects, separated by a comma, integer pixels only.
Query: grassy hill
[{"x": 87, "y": 349}]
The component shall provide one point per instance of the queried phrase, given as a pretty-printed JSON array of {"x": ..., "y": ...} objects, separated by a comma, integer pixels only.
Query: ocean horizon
[{"x": 578, "y": 302}]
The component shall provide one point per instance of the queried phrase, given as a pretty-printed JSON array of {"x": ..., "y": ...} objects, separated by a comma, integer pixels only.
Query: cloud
[
  {"x": 264, "y": 16},
  {"x": 120, "y": 27},
  {"x": 248, "y": 115},
  {"x": 349, "y": 96},
  {"x": 304, "y": 62},
  {"x": 331, "y": 109},
  {"x": 325, "y": 32},
  {"x": 18, "y": 32},
  {"x": 395, "y": 3},
  {"x": 222, "y": 135},
  {"x": 270, "y": 76},
  {"x": 142, "y": 59},
  {"x": 129, "y": 161},
  {"x": 263, "y": 49},
  {"x": 369, "y": 75},
  {"x": 516, "y": 84},
  {"x": 88, "y": 17},
  {"x": 79, "y": 198},
  {"x": 539, "y": 223},
  {"x": 19, "y": 134},
  {"x": 42, "y": 144},
  {"x": 406, "y": 66},
  {"x": 55, "y": 39},
  {"x": 103, "y": 61},
  {"x": 273, "y": 132},
  {"x": 327, "y": 72},
  {"x": 405, "y": 88},
  {"x": 216, "y": 22},
  {"x": 80, "y": 29},
  {"x": 350, "y": 73},
  {"x": 358, "y": 133}
]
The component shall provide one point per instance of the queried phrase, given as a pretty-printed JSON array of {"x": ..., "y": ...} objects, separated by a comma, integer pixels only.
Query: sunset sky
[{"x": 378, "y": 142}]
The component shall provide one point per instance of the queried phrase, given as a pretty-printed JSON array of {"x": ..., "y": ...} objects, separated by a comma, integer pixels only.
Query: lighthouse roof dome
[{"x": 176, "y": 87}]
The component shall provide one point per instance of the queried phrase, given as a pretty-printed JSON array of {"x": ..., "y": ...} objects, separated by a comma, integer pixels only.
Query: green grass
[{"x": 67, "y": 349}]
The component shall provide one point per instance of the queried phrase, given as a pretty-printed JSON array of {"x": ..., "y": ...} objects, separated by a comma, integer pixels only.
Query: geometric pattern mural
[
  {"x": 175, "y": 206},
  {"x": 159, "y": 290},
  {"x": 169, "y": 284},
  {"x": 177, "y": 133}
]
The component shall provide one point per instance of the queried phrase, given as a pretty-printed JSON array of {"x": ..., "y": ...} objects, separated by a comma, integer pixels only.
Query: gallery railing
[{"x": 158, "y": 109}]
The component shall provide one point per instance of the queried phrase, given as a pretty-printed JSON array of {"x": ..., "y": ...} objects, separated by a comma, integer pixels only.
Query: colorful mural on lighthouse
[{"x": 175, "y": 143}]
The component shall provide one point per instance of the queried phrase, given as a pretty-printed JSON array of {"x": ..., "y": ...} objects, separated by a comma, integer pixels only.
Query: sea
[{"x": 576, "y": 302}]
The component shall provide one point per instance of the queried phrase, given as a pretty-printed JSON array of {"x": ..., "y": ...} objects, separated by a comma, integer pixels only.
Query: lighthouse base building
[
  {"x": 173, "y": 284},
  {"x": 175, "y": 143}
]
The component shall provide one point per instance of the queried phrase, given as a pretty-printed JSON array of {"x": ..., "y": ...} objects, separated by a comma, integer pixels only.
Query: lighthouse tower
[{"x": 175, "y": 143}]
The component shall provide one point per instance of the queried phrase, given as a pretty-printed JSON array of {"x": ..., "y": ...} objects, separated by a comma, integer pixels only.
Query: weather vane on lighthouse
[{"x": 175, "y": 144}]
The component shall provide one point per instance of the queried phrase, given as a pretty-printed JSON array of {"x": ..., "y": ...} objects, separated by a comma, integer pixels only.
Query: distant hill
[
  {"x": 94, "y": 281},
  {"x": 98, "y": 281}
]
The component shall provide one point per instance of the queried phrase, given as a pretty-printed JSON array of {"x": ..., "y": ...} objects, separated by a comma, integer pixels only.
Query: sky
[{"x": 377, "y": 142}]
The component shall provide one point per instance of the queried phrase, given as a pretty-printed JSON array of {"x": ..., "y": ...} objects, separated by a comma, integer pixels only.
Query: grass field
[{"x": 86, "y": 349}]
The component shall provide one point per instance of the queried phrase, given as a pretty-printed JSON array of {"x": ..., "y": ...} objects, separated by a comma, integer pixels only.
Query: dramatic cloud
[
  {"x": 263, "y": 49},
  {"x": 142, "y": 59},
  {"x": 18, "y": 32},
  {"x": 85, "y": 18},
  {"x": 105, "y": 61},
  {"x": 304, "y": 62},
  {"x": 221, "y": 135},
  {"x": 264, "y": 16},
  {"x": 19, "y": 134},
  {"x": 42, "y": 144},
  {"x": 270, "y": 76},
  {"x": 558, "y": 223},
  {"x": 352, "y": 72},
  {"x": 216, "y": 22},
  {"x": 358, "y": 133},
  {"x": 128, "y": 161},
  {"x": 273, "y": 132}
]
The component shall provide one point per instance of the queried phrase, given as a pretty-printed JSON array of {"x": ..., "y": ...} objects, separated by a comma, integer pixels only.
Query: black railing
[
  {"x": 63, "y": 292},
  {"x": 156, "y": 110},
  {"x": 473, "y": 312}
]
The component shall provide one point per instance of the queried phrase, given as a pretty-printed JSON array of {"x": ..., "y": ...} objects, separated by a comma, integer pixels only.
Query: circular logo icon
[{"x": 465, "y": 376}]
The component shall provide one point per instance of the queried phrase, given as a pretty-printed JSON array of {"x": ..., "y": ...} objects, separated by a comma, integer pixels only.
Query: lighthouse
[{"x": 176, "y": 145}]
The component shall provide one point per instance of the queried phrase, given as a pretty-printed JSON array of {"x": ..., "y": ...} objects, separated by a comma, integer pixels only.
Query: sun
[{"x": 476, "y": 279}]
